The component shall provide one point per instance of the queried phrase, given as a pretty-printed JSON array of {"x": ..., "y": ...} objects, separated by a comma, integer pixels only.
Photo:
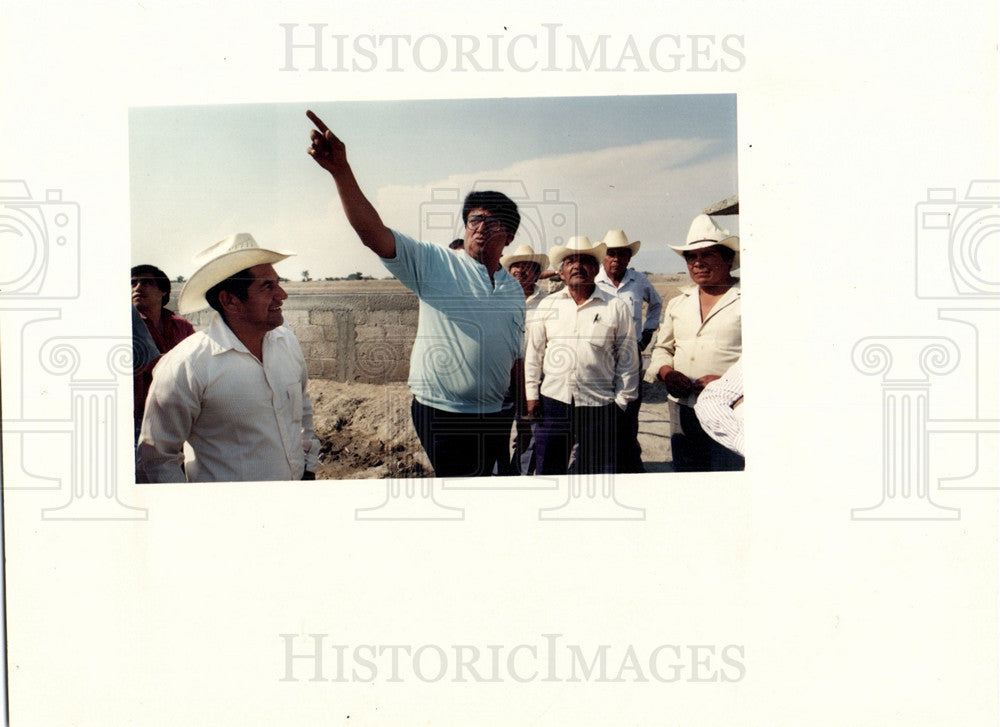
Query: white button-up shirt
[
  {"x": 695, "y": 347},
  {"x": 244, "y": 419},
  {"x": 635, "y": 290},
  {"x": 582, "y": 354}
]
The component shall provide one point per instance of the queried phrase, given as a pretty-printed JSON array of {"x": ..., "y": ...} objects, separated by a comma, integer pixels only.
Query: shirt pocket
[
  {"x": 600, "y": 335},
  {"x": 289, "y": 404}
]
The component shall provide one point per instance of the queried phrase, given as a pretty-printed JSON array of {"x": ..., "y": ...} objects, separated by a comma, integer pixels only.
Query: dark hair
[
  {"x": 497, "y": 204},
  {"x": 237, "y": 284},
  {"x": 457, "y": 244},
  {"x": 159, "y": 277}
]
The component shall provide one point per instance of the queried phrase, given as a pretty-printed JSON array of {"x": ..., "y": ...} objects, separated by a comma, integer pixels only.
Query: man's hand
[
  {"x": 704, "y": 381},
  {"x": 331, "y": 154},
  {"x": 532, "y": 409},
  {"x": 328, "y": 151},
  {"x": 678, "y": 385}
]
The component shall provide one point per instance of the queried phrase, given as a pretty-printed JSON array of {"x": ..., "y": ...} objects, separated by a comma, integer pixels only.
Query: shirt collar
[
  {"x": 734, "y": 290},
  {"x": 603, "y": 277},
  {"x": 598, "y": 294},
  {"x": 223, "y": 339},
  {"x": 498, "y": 277}
]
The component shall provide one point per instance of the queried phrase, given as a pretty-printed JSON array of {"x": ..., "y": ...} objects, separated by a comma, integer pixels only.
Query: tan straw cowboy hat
[
  {"x": 580, "y": 245},
  {"x": 219, "y": 261},
  {"x": 524, "y": 253},
  {"x": 617, "y": 238},
  {"x": 704, "y": 232}
]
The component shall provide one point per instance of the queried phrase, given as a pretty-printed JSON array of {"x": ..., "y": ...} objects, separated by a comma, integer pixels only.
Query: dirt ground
[{"x": 365, "y": 431}]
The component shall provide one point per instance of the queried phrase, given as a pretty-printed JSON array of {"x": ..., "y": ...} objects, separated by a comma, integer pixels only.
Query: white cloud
[{"x": 651, "y": 190}]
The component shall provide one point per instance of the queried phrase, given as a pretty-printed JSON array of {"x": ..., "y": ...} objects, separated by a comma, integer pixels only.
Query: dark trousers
[
  {"x": 563, "y": 425},
  {"x": 629, "y": 450},
  {"x": 522, "y": 461},
  {"x": 695, "y": 451},
  {"x": 462, "y": 445}
]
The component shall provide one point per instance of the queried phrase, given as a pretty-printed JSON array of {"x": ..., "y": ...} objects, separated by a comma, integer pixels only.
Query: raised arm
[{"x": 331, "y": 154}]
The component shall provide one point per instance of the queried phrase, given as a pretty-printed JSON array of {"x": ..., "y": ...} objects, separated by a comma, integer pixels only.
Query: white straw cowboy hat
[
  {"x": 580, "y": 245},
  {"x": 524, "y": 254},
  {"x": 617, "y": 238},
  {"x": 705, "y": 233},
  {"x": 223, "y": 259}
]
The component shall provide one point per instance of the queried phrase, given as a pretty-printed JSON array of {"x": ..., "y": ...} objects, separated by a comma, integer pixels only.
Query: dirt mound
[{"x": 365, "y": 431}]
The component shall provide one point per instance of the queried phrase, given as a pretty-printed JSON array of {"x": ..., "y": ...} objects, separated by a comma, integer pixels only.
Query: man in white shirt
[
  {"x": 236, "y": 392},
  {"x": 580, "y": 365},
  {"x": 621, "y": 281},
  {"x": 700, "y": 337}
]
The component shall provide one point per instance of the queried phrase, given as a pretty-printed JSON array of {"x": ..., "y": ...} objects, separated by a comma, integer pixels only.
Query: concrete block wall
[{"x": 364, "y": 337}]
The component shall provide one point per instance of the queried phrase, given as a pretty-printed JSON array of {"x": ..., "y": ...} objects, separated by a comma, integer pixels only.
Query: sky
[{"x": 576, "y": 166}]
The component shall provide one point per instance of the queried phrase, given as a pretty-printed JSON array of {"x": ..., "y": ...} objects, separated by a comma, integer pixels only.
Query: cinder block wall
[{"x": 365, "y": 337}]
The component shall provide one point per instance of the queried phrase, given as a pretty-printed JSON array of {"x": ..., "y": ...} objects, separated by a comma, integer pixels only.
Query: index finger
[{"x": 318, "y": 122}]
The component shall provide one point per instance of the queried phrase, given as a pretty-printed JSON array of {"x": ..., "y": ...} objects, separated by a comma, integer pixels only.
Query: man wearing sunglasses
[{"x": 471, "y": 322}]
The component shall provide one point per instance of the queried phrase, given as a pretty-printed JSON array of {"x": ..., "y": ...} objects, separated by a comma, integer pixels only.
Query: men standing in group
[
  {"x": 580, "y": 365},
  {"x": 621, "y": 281},
  {"x": 699, "y": 339},
  {"x": 471, "y": 320},
  {"x": 525, "y": 266},
  {"x": 150, "y": 293},
  {"x": 235, "y": 392}
]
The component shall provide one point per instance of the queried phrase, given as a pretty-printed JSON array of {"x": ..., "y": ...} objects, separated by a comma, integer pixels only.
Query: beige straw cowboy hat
[
  {"x": 617, "y": 238},
  {"x": 524, "y": 253},
  {"x": 704, "y": 232},
  {"x": 580, "y": 245},
  {"x": 219, "y": 261}
]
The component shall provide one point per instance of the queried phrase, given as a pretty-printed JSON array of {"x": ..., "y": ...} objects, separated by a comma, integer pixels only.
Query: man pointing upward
[{"x": 471, "y": 320}]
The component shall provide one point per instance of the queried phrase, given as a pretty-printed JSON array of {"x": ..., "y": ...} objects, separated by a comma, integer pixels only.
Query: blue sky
[{"x": 645, "y": 164}]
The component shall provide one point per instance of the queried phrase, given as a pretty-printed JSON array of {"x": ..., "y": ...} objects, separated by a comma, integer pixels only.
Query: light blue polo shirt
[{"x": 469, "y": 332}]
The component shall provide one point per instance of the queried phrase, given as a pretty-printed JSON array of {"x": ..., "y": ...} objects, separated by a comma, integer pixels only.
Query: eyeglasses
[{"x": 490, "y": 224}]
